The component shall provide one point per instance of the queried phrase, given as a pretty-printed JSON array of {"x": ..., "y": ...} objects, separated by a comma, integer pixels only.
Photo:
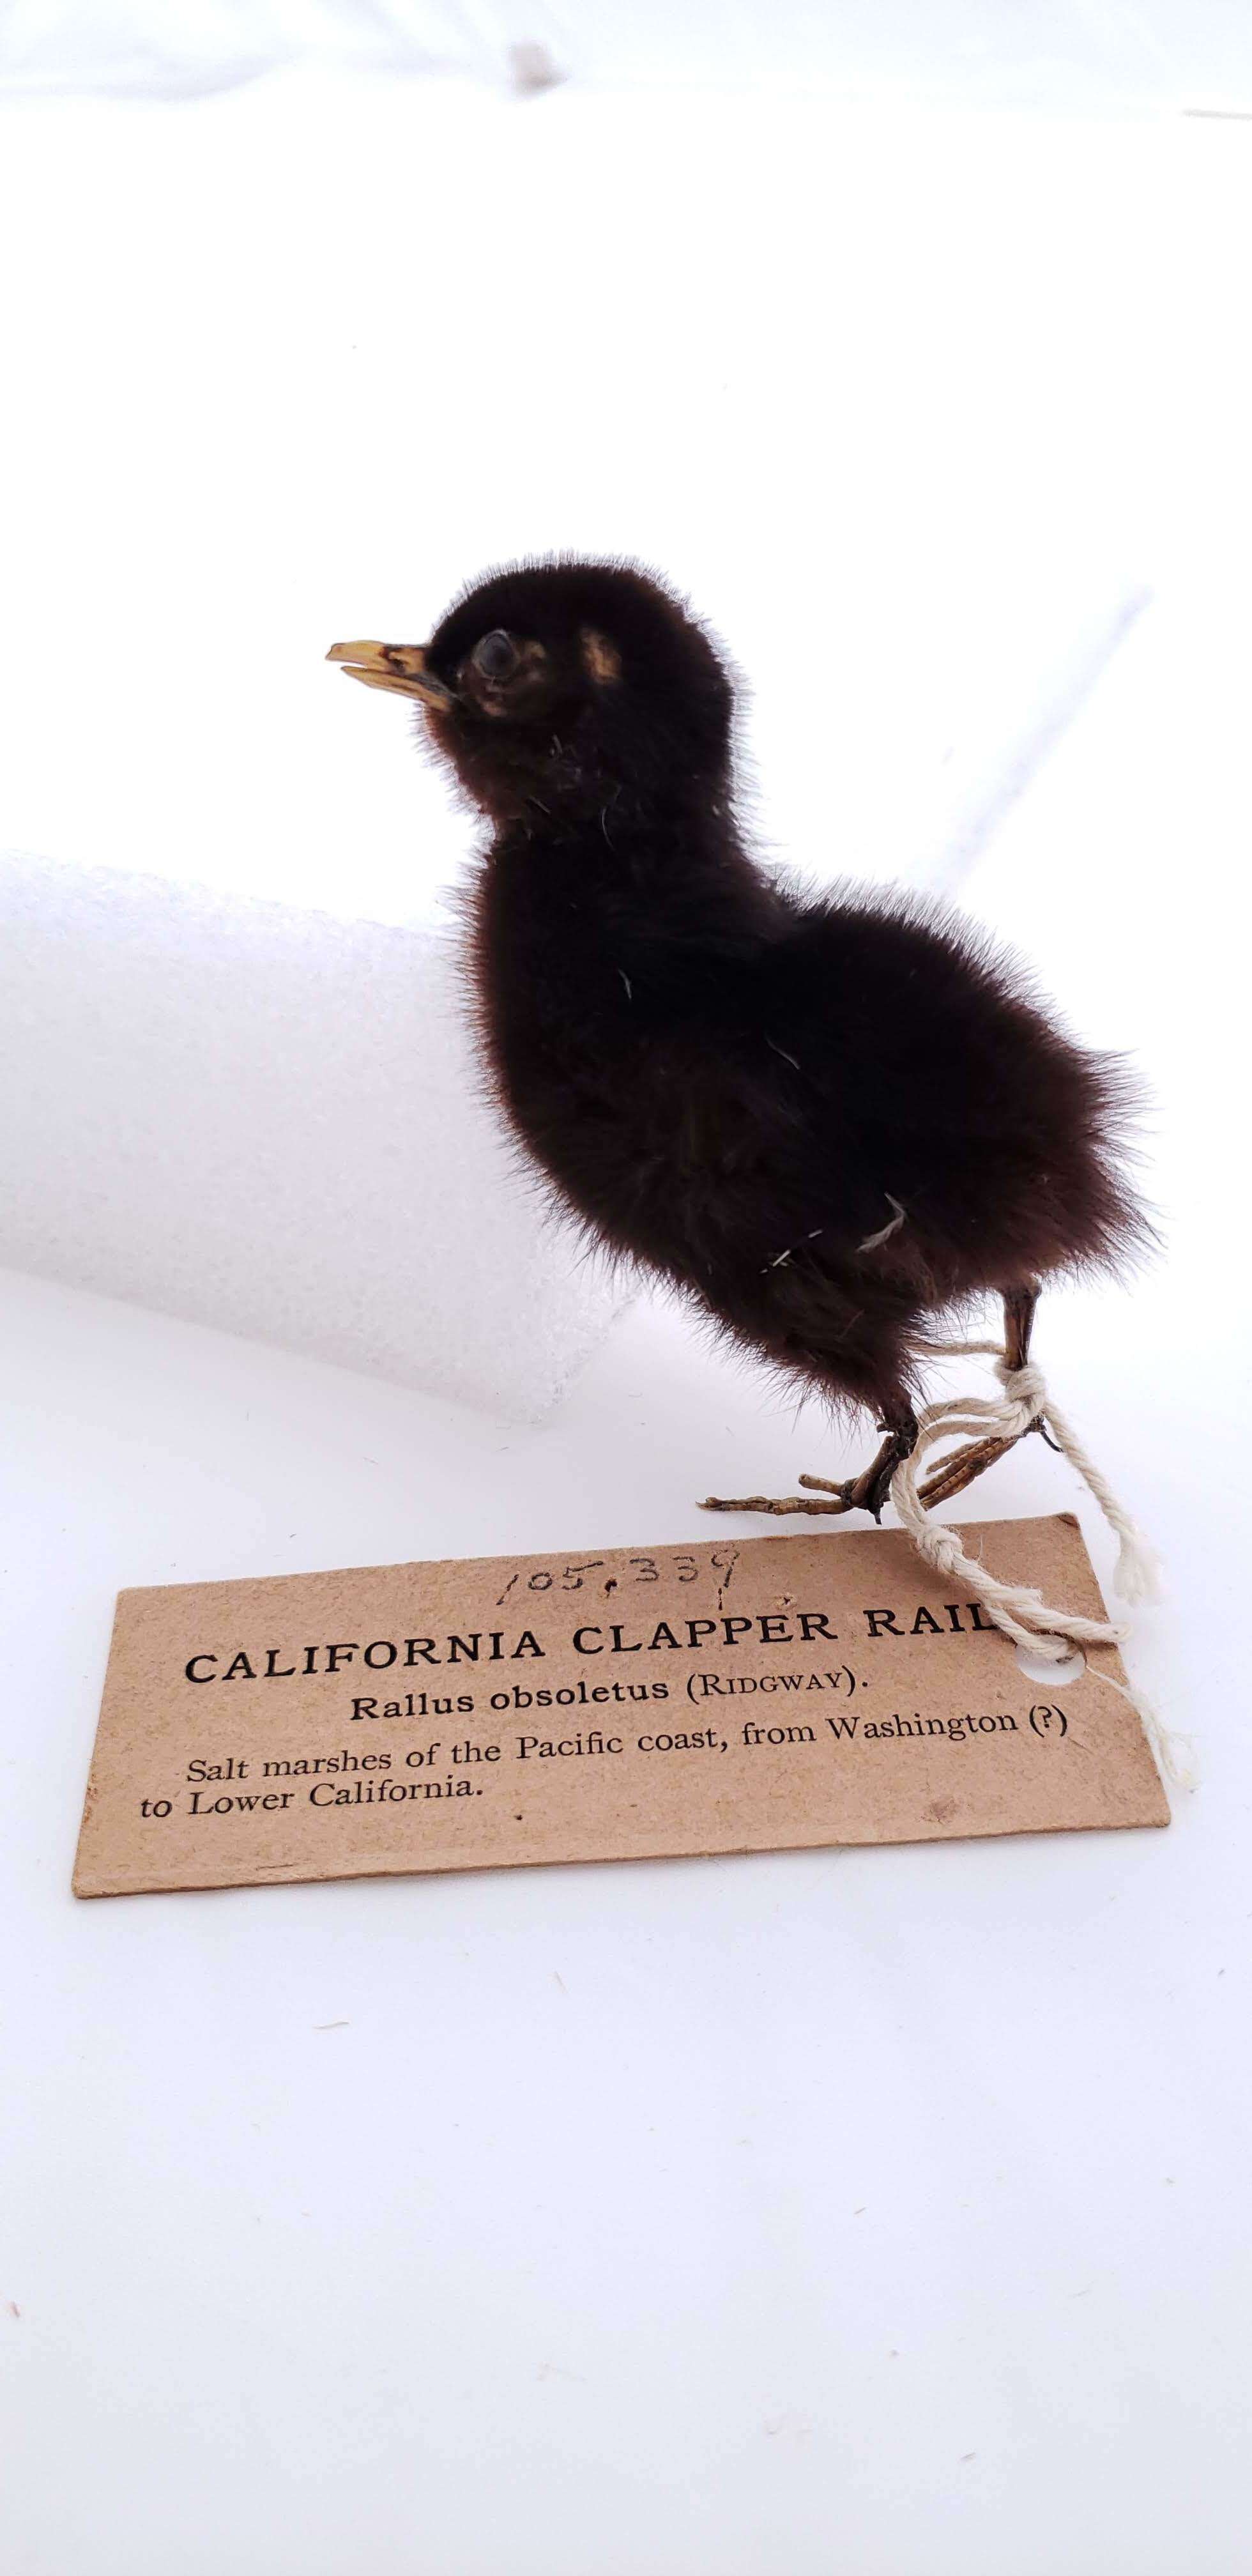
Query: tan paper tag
[{"x": 605, "y": 1705}]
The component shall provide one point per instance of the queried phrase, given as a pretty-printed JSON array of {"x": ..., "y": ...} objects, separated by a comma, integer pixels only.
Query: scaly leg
[{"x": 864, "y": 1493}]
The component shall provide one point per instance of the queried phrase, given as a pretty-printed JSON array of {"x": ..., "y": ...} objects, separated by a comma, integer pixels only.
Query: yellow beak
[{"x": 401, "y": 667}]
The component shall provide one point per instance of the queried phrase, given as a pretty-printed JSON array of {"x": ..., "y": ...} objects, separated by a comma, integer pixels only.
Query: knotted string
[{"x": 1018, "y": 1608}]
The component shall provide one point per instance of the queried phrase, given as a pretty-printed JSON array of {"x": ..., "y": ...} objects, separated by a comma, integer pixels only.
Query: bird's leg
[
  {"x": 864, "y": 1493},
  {"x": 964, "y": 1465},
  {"x": 1020, "y": 1307},
  {"x": 868, "y": 1491}
]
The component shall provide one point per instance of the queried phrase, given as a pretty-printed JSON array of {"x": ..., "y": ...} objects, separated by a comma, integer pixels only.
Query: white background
[
  {"x": 1032, "y": 53},
  {"x": 890, "y": 394},
  {"x": 883, "y": 2212}
]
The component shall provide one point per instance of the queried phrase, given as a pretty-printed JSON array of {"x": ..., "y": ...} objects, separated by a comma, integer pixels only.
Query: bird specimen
[{"x": 830, "y": 1119}]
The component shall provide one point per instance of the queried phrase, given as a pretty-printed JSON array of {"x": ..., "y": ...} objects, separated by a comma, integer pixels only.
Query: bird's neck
[{"x": 647, "y": 877}]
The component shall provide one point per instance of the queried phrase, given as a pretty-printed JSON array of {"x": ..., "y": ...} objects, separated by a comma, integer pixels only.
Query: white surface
[
  {"x": 881, "y": 2211},
  {"x": 1036, "y": 53},
  {"x": 889, "y": 395},
  {"x": 268, "y": 1119}
]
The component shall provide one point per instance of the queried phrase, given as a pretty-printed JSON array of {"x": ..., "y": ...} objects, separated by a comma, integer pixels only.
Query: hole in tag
[{"x": 1039, "y": 1670}]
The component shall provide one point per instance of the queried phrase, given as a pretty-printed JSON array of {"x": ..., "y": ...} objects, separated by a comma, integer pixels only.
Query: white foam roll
[{"x": 271, "y": 1120}]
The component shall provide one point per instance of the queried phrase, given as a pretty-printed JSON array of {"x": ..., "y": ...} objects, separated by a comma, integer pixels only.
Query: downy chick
[{"x": 827, "y": 1118}]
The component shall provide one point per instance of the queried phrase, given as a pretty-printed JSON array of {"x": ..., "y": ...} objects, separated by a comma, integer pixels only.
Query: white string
[{"x": 1017, "y": 1608}]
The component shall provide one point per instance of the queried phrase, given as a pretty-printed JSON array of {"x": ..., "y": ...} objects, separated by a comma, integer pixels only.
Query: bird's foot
[
  {"x": 961, "y": 1468},
  {"x": 864, "y": 1493},
  {"x": 869, "y": 1491},
  {"x": 782, "y": 1502}
]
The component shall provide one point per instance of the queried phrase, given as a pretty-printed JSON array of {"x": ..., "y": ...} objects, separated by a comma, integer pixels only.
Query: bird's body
[{"x": 827, "y": 1119}]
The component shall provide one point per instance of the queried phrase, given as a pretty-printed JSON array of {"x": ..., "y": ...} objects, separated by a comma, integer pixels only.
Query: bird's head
[{"x": 565, "y": 687}]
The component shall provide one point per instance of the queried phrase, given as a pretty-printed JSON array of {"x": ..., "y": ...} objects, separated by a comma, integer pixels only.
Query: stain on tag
[{"x": 623, "y": 1704}]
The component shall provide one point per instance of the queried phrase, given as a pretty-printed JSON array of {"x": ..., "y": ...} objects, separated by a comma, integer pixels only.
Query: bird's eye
[{"x": 495, "y": 656}]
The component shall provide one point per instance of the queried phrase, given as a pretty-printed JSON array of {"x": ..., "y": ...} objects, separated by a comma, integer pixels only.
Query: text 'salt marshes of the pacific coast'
[{"x": 615, "y": 1704}]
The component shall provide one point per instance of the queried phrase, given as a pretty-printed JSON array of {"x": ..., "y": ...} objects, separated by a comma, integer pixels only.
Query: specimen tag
[{"x": 618, "y": 1704}]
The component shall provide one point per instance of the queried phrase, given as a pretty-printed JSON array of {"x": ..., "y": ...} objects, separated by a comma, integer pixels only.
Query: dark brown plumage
[{"x": 827, "y": 1118}]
